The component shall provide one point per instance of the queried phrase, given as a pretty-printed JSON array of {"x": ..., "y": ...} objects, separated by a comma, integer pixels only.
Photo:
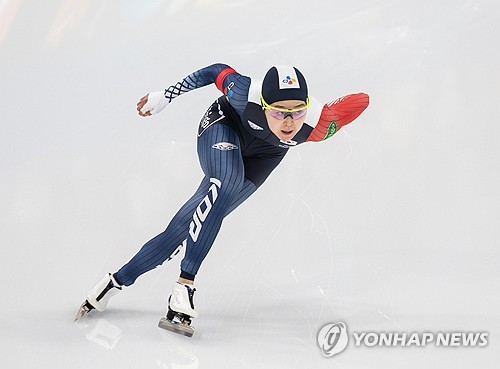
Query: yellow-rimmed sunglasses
[{"x": 282, "y": 113}]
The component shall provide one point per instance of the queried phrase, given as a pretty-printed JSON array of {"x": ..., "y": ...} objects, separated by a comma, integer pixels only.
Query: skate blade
[
  {"x": 83, "y": 310},
  {"x": 176, "y": 327}
]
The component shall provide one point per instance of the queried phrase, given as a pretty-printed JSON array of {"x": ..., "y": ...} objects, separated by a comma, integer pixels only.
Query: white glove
[{"x": 156, "y": 102}]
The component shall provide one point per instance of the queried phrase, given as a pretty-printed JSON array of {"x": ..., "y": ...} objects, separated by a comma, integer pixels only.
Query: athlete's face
[{"x": 286, "y": 129}]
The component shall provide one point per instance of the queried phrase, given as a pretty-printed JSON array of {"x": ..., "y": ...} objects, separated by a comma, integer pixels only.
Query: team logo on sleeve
[
  {"x": 331, "y": 130},
  {"x": 224, "y": 146},
  {"x": 228, "y": 92}
]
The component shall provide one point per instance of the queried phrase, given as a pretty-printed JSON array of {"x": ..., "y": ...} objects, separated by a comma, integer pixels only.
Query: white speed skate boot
[
  {"x": 99, "y": 295},
  {"x": 180, "y": 310}
]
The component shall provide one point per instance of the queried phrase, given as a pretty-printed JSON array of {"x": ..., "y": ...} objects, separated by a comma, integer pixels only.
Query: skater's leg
[
  {"x": 166, "y": 244},
  {"x": 224, "y": 167},
  {"x": 221, "y": 160},
  {"x": 248, "y": 189}
]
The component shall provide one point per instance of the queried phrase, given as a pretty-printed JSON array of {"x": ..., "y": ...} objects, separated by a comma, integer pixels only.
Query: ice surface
[{"x": 392, "y": 225}]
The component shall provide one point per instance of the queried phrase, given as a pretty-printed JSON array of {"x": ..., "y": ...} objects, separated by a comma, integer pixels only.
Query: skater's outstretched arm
[{"x": 232, "y": 84}]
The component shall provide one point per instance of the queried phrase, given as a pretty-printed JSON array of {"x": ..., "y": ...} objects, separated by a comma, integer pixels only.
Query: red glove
[{"x": 337, "y": 114}]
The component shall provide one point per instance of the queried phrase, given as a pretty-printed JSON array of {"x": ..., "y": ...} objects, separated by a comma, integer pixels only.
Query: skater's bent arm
[
  {"x": 337, "y": 114},
  {"x": 216, "y": 74}
]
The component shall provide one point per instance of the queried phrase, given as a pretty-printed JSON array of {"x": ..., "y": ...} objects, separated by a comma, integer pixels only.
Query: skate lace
[{"x": 191, "y": 292}]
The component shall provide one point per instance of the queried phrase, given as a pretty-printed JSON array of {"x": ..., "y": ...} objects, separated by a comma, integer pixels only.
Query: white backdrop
[{"x": 390, "y": 226}]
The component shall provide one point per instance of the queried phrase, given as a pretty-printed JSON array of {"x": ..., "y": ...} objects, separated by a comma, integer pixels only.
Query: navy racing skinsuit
[{"x": 237, "y": 152}]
